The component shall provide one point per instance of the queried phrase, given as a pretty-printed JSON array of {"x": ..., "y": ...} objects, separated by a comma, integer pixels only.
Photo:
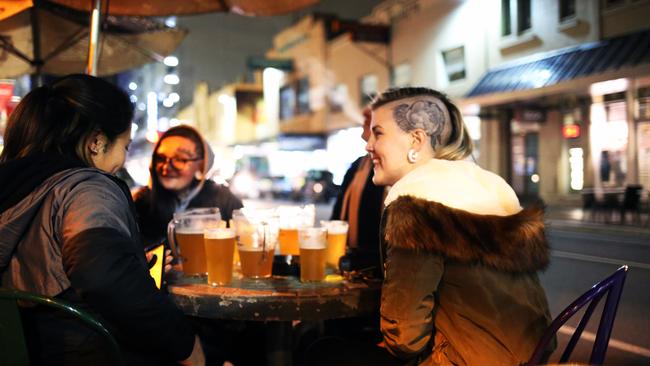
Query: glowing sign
[{"x": 571, "y": 131}]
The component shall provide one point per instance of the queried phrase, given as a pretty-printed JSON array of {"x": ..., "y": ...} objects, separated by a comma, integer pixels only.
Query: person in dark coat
[
  {"x": 179, "y": 169},
  {"x": 179, "y": 180},
  {"x": 68, "y": 230},
  {"x": 360, "y": 204}
]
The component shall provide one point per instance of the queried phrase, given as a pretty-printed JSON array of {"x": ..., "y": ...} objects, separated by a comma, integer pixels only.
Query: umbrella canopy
[
  {"x": 54, "y": 40},
  {"x": 186, "y": 7},
  {"x": 11, "y": 7}
]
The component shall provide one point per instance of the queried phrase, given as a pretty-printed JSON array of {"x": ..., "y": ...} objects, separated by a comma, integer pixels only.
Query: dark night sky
[{"x": 218, "y": 44}]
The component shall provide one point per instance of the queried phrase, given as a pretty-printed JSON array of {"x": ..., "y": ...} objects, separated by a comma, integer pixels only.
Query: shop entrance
[{"x": 525, "y": 159}]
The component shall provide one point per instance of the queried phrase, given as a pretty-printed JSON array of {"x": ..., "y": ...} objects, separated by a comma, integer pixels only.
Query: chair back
[
  {"x": 613, "y": 287},
  {"x": 13, "y": 348},
  {"x": 632, "y": 196}
]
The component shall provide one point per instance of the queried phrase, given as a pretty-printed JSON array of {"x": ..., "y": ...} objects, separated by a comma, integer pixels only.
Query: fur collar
[{"x": 514, "y": 243}]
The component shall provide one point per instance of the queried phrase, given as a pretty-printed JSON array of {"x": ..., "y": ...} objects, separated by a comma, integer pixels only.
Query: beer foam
[
  {"x": 337, "y": 229},
  {"x": 312, "y": 238},
  {"x": 312, "y": 243},
  {"x": 220, "y": 233},
  {"x": 189, "y": 230}
]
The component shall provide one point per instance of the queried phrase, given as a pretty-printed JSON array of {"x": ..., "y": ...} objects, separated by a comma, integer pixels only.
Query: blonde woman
[{"x": 461, "y": 255}]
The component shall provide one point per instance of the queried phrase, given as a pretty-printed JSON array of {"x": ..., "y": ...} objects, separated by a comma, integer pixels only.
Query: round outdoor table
[{"x": 278, "y": 301}]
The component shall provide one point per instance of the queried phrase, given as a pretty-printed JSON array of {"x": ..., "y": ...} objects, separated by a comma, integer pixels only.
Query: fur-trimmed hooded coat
[{"x": 461, "y": 258}]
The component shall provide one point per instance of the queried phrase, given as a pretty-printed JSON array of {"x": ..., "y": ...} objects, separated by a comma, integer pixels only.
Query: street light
[
  {"x": 170, "y": 61},
  {"x": 171, "y": 79}
]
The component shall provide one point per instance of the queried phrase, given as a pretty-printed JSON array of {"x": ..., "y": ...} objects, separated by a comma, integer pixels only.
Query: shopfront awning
[{"x": 617, "y": 57}]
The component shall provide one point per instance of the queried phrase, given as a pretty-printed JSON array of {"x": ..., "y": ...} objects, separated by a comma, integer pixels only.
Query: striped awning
[{"x": 548, "y": 69}]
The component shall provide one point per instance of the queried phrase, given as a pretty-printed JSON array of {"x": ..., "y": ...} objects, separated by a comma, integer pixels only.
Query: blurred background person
[
  {"x": 360, "y": 203},
  {"x": 179, "y": 180},
  {"x": 68, "y": 230}
]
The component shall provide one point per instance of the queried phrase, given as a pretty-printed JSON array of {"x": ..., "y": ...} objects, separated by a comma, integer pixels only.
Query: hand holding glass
[{"x": 185, "y": 235}]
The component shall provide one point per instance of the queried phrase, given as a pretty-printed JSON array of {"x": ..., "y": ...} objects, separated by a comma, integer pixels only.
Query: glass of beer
[
  {"x": 185, "y": 236},
  {"x": 219, "y": 252},
  {"x": 313, "y": 241},
  {"x": 337, "y": 235},
  {"x": 291, "y": 219},
  {"x": 256, "y": 240}
]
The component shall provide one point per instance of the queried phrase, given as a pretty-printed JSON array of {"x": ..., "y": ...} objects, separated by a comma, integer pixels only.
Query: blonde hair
[{"x": 458, "y": 145}]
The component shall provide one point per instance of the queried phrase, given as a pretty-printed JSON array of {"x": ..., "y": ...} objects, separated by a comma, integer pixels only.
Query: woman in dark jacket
[
  {"x": 68, "y": 230},
  {"x": 179, "y": 170}
]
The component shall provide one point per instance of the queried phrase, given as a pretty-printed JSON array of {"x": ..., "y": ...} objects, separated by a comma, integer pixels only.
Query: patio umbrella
[
  {"x": 186, "y": 7},
  {"x": 169, "y": 7},
  {"x": 54, "y": 40}
]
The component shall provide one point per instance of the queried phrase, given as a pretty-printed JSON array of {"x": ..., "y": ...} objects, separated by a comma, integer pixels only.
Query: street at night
[{"x": 582, "y": 257}]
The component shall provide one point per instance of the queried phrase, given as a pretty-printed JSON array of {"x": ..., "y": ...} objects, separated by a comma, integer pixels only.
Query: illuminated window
[
  {"x": 287, "y": 102},
  {"x": 454, "y": 63},
  {"x": 402, "y": 75},
  {"x": 520, "y": 14},
  {"x": 368, "y": 88},
  {"x": 302, "y": 96},
  {"x": 523, "y": 16},
  {"x": 506, "y": 18},
  {"x": 567, "y": 9},
  {"x": 576, "y": 168}
]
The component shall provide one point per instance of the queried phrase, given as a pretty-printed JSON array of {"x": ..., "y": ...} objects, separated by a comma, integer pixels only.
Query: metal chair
[
  {"x": 613, "y": 286},
  {"x": 13, "y": 348}
]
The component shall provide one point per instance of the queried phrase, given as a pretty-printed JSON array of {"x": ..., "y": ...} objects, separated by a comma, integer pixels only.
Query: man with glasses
[{"x": 179, "y": 180}]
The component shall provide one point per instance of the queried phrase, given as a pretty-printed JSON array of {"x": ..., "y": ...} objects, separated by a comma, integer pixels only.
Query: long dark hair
[{"x": 60, "y": 117}]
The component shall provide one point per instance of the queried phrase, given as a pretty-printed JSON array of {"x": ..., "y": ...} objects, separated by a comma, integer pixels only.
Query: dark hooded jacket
[
  {"x": 68, "y": 231},
  {"x": 461, "y": 259}
]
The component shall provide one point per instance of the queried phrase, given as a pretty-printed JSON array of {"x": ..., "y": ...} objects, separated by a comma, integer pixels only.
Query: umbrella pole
[
  {"x": 91, "y": 64},
  {"x": 36, "y": 79}
]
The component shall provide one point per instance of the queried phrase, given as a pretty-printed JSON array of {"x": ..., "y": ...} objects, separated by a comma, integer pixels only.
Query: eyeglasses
[{"x": 174, "y": 162}]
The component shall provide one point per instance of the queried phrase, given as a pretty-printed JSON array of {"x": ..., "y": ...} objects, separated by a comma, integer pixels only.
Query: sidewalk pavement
[{"x": 566, "y": 217}]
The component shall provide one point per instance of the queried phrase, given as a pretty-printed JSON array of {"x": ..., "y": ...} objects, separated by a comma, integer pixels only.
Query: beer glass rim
[
  {"x": 201, "y": 212},
  {"x": 324, "y": 223},
  {"x": 210, "y": 230},
  {"x": 312, "y": 231}
]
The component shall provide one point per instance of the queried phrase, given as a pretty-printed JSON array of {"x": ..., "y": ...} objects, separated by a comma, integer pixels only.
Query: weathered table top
[{"x": 275, "y": 299}]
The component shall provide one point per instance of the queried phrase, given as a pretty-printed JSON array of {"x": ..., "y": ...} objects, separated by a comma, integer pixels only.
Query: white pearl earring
[{"x": 412, "y": 156}]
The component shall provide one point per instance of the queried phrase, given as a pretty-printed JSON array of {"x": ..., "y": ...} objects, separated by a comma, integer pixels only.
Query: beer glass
[
  {"x": 219, "y": 252},
  {"x": 257, "y": 235},
  {"x": 291, "y": 219},
  {"x": 337, "y": 235},
  {"x": 313, "y": 241},
  {"x": 185, "y": 236}
]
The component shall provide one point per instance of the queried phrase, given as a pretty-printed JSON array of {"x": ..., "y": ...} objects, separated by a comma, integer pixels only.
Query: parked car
[{"x": 319, "y": 187}]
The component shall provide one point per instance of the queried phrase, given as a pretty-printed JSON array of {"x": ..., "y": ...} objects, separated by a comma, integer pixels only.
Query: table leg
[{"x": 278, "y": 343}]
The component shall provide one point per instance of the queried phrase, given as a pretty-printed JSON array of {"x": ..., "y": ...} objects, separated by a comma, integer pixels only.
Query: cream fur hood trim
[{"x": 458, "y": 184}]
